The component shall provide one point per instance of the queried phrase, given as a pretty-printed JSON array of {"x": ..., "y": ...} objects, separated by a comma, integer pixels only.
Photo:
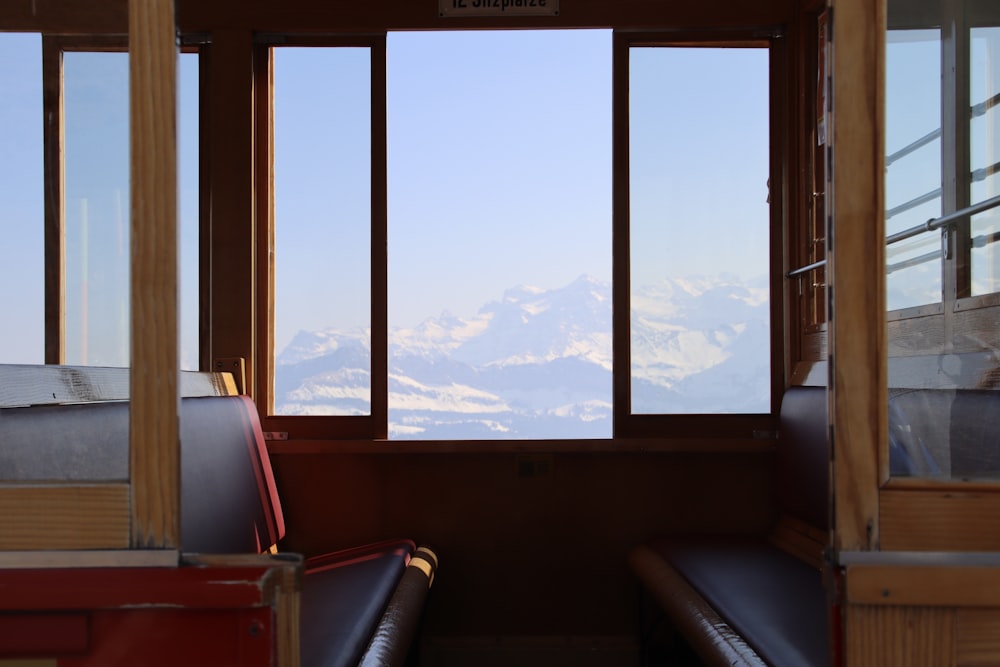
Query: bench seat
[
  {"x": 775, "y": 602},
  {"x": 757, "y": 599},
  {"x": 355, "y": 603},
  {"x": 343, "y": 597}
]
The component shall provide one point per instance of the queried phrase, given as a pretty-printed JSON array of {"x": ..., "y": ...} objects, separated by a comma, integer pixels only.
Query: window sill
[{"x": 596, "y": 446}]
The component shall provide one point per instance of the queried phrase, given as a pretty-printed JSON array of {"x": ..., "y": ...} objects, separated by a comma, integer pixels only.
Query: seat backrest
[
  {"x": 950, "y": 433},
  {"x": 803, "y": 457},
  {"x": 229, "y": 502}
]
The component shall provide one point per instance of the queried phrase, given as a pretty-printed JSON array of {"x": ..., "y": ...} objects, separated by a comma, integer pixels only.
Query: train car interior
[{"x": 500, "y": 332}]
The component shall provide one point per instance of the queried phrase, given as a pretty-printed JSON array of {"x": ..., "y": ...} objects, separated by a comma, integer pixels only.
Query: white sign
[{"x": 498, "y": 7}]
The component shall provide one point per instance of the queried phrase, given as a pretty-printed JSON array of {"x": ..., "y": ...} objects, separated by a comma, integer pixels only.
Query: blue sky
[
  {"x": 21, "y": 272},
  {"x": 500, "y": 164},
  {"x": 499, "y": 172}
]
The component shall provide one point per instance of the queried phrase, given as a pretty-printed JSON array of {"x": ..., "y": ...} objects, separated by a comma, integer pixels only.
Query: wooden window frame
[
  {"x": 739, "y": 432},
  {"x": 729, "y": 426},
  {"x": 54, "y": 178},
  {"x": 373, "y": 426}
]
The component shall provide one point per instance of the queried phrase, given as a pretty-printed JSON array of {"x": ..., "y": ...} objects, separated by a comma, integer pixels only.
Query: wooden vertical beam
[
  {"x": 233, "y": 234},
  {"x": 153, "y": 429},
  {"x": 856, "y": 265},
  {"x": 55, "y": 196},
  {"x": 380, "y": 244},
  {"x": 620, "y": 244}
]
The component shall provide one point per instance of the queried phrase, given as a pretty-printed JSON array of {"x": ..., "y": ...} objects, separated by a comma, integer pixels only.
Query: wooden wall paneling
[
  {"x": 856, "y": 256},
  {"x": 977, "y": 637},
  {"x": 912, "y": 583},
  {"x": 878, "y": 636},
  {"x": 344, "y": 15},
  {"x": 65, "y": 16},
  {"x": 154, "y": 439},
  {"x": 952, "y": 518}
]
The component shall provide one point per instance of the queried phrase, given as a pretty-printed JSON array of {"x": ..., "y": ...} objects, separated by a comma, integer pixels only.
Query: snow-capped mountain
[{"x": 537, "y": 363}]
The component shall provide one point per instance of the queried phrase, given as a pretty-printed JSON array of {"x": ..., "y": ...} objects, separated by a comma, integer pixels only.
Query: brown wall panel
[
  {"x": 522, "y": 555},
  {"x": 346, "y": 15},
  {"x": 947, "y": 519},
  {"x": 912, "y": 636}
]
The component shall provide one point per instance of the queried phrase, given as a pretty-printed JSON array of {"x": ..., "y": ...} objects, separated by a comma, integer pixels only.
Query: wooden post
[
  {"x": 154, "y": 431},
  {"x": 856, "y": 256}
]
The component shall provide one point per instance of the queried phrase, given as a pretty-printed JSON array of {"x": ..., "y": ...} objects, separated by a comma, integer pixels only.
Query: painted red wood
[
  {"x": 43, "y": 634},
  {"x": 198, "y": 587}
]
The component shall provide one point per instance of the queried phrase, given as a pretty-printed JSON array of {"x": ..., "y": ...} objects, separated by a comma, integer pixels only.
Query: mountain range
[{"x": 537, "y": 363}]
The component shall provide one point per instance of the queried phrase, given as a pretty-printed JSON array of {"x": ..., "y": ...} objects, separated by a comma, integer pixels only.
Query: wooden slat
[
  {"x": 154, "y": 442},
  {"x": 66, "y": 558},
  {"x": 856, "y": 256},
  {"x": 978, "y": 637},
  {"x": 923, "y": 585},
  {"x": 22, "y": 385},
  {"x": 949, "y": 519},
  {"x": 36, "y": 517},
  {"x": 915, "y": 637}
]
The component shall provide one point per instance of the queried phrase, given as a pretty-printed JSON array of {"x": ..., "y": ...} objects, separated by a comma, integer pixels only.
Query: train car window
[
  {"x": 984, "y": 82},
  {"x": 913, "y": 165},
  {"x": 943, "y": 362},
  {"x": 491, "y": 172},
  {"x": 22, "y": 271},
  {"x": 699, "y": 221},
  {"x": 322, "y": 230},
  {"x": 499, "y": 234},
  {"x": 96, "y": 206}
]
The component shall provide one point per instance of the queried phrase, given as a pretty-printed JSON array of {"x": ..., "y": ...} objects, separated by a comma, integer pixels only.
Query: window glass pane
[
  {"x": 985, "y": 154},
  {"x": 699, "y": 230},
  {"x": 500, "y": 234},
  {"x": 188, "y": 181},
  {"x": 96, "y": 205},
  {"x": 322, "y": 222},
  {"x": 913, "y": 165},
  {"x": 22, "y": 216},
  {"x": 942, "y": 369}
]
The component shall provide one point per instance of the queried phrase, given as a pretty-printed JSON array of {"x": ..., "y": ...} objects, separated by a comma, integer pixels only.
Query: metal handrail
[
  {"x": 975, "y": 111},
  {"x": 938, "y": 223},
  {"x": 806, "y": 269},
  {"x": 929, "y": 226}
]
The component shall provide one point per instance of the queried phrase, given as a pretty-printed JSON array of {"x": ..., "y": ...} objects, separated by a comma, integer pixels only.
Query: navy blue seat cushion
[
  {"x": 343, "y": 597},
  {"x": 229, "y": 503},
  {"x": 775, "y": 601}
]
